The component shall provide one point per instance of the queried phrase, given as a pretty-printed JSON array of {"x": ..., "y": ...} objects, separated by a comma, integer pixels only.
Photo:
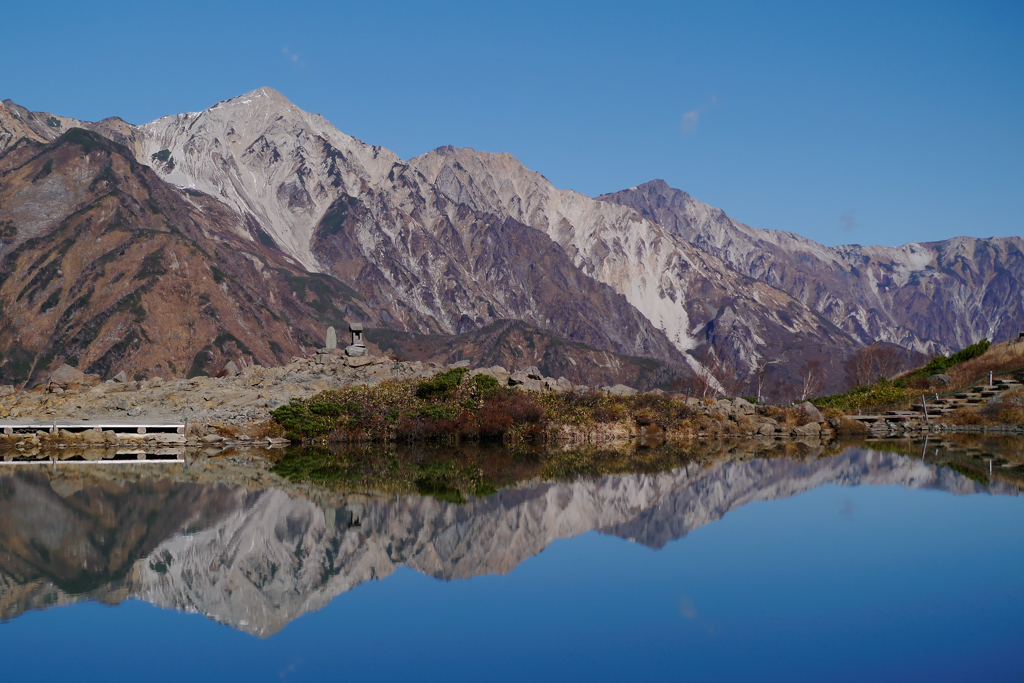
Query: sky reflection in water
[{"x": 836, "y": 583}]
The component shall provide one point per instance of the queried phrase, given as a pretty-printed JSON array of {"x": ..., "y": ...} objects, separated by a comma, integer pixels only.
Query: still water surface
[{"x": 861, "y": 566}]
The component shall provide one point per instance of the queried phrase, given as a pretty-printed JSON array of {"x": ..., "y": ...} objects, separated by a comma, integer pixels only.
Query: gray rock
[
  {"x": 460, "y": 364},
  {"x": 743, "y": 406},
  {"x": 231, "y": 368},
  {"x": 331, "y": 340},
  {"x": 499, "y": 373},
  {"x": 134, "y": 412},
  {"x": 656, "y": 392},
  {"x": 551, "y": 384},
  {"x": 121, "y": 377},
  {"x": 811, "y": 411},
  {"x": 767, "y": 429},
  {"x": 212, "y": 438},
  {"x": 530, "y": 384},
  {"x": 622, "y": 390},
  {"x": 565, "y": 384},
  {"x": 517, "y": 378},
  {"x": 532, "y": 372},
  {"x": 354, "y": 350},
  {"x": 940, "y": 380},
  {"x": 809, "y": 429},
  {"x": 65, "y": 375}
]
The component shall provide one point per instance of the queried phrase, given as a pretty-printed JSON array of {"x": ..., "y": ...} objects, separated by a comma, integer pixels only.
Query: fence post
[{"x": 925, "y": 406}]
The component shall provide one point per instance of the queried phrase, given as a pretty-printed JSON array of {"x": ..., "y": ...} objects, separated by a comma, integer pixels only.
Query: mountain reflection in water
[{"x": 256, "y": 560}]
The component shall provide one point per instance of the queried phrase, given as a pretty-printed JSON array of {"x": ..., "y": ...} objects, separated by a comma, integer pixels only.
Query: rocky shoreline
[{"x": 236, "y": 406}]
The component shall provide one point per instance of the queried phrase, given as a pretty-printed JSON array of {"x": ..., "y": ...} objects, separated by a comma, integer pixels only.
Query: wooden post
[{"x": 925, "y": 406}]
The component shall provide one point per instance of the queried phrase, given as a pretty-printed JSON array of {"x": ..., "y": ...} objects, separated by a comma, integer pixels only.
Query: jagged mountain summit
[
  {"x": 318, "y": 227},
  {"x": 927, "y": 296}
]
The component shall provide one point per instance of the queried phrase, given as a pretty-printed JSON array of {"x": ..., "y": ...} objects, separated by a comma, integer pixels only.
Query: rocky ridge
[
  {"x": 456, "y": 240},
  {"x": 932, "y": 297},
  {"x": 453, "y": 240}
]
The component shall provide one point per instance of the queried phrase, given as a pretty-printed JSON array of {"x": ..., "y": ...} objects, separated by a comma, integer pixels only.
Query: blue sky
[{"x": 869, "y": 123}]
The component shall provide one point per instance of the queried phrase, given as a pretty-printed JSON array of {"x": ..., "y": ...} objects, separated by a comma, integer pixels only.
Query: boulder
[
  {"x": 530, "y": 384},
  {"x": 811, "y": 411},
  {"x": 809, "y": 429},
  {"x": 532, "y": 372},
  {"x": 121, "y": 377},
  {"x": 621, "y": 390},
  {"x": 92, "y": 436},
  {"x": 551, "y": 384},
  {"x": 655, "y": 392},
  {"x": 499, "y": 373},
  {"x": 743, "y": 406},
  {"x": 331, "y": 339},
  {"x": 459, "y": 364},
  {"x": 940, "y": 380},
  {"x": 231, "y": 368},
  {"x": 65, "y": 376},
  {"x": 767, "y": 429},
  {"x": 517, "y": 378},
  {"x": 564, "y": 384},
  {"x": 358, "y": 361},
  {"x": 355, "y": 351}
]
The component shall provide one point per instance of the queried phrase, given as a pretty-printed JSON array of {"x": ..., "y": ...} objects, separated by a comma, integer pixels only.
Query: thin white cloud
[
  {"x": 692, "y": 117},
  {"x": 292, "y": 56}
]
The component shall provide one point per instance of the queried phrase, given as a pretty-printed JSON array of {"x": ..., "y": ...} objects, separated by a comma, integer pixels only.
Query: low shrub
[{"x": 443, "y": 383}]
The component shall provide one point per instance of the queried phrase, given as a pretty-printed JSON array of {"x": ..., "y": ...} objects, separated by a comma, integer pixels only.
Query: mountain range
[{"x": 248, "y": 228}]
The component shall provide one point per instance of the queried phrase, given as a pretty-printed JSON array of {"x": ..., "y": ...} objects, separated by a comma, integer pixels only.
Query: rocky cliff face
[
  {"x": 256, "y": 560},
  {"x": 930, "y": 296},
  {"x": 450, "y": 243},
  {"x": 447, "y": 243}
]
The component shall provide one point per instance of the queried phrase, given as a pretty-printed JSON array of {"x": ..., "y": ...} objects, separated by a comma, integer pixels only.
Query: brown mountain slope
[
  {"x": 515, "y": 344},
  {"x": 106, "y": 266}
]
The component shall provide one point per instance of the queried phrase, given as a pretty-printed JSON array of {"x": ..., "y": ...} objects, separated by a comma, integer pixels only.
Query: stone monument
[{"x": 358, "y": 346}]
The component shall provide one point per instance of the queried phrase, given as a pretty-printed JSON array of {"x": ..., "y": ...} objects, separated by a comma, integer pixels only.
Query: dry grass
[
  {"x": 965, "y": 416},
  {"x": 998, "y": 359}
]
